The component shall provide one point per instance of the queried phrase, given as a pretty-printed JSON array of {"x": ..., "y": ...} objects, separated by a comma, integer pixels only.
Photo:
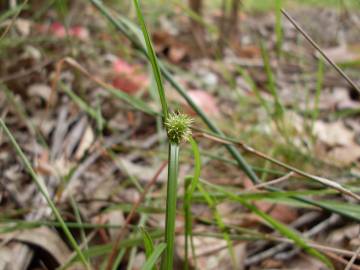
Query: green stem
[{"x": 167, "y": 260}]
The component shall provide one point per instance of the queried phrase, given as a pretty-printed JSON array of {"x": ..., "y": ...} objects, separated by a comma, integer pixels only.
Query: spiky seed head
[{"x": 178, "y": 127}]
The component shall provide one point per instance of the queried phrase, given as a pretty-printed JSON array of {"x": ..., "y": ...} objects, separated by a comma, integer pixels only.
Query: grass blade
[
  {"x": 148, "y": 244},
  {"x": 43, "y": 190},
  {"x": 151, "y": 261},
  {"x": 153, "y": 61}
]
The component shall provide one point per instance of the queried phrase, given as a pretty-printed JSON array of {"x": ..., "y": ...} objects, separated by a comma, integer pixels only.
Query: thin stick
[
  {"x": 119, "y": 237},
  {"x": 272, "y": 182},
  {"x": 317, "y": 47},
  {"x": 353, "y": 258},
  {"x": 13, "y": 20}
]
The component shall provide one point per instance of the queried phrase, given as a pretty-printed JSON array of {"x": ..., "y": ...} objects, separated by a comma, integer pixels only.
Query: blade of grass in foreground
[
  {"x": 151, "y": 261},
  {"x": 42, "y": 188},
  {"x": 148, "y": 244}
]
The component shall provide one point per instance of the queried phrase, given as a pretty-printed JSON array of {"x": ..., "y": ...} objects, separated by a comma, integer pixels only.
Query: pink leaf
[
  {"x": 122, "y": 67},
  {"x": 205, "y": 101}
]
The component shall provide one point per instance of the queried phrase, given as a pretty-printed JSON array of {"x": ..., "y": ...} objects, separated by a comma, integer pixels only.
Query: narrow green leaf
[
  {"x": 80, "y": 102},
  {"x": 151, "y": 261},
  {"x": 153, "y": 61},
  {"x": 148, "y": 244}
]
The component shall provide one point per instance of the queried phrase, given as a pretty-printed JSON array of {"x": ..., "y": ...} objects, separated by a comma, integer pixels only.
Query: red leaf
[
  {"x": 58, "y": 30},
  {"x": 79, "y": 32},
  {"x": 127, "y": 77}
]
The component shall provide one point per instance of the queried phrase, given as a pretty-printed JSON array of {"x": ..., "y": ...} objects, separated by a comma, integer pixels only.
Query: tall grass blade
[{"x": 153, "y": 61}]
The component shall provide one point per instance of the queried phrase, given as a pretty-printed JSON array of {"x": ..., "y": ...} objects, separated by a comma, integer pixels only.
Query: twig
[
  {"x": 119, "y": 237},
  {"x": 341, "y": 260},
  {"x": 272, "y": 182},
  {"x": 13, "y": 20},
  {"x": 352, "y": 260},
  {"x": 317, "y": 47}
]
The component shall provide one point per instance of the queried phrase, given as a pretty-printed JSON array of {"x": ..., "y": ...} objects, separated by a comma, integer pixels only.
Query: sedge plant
[{"x": 177, "y": 127}]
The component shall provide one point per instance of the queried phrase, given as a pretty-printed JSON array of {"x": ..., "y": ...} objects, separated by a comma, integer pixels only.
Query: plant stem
[{"x": 167, "y": 260}]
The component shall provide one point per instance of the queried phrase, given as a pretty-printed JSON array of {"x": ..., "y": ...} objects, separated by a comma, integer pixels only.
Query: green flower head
[{"x": 178, "y": 127}]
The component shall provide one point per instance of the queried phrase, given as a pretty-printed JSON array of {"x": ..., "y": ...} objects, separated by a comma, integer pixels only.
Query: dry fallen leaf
[
  {"x": 333, "y": 134},
  {"x": 44, "y": 238},
  {"x": 345, "y": 155},
  {"x": 343, "y": 53},
  {"x": 40, "y": 90},
  {"x": 212, "y": 253},
  {"x": 86, "y": 142},
  {"x": 205, "y": 101},
  {"x": 128, "y": 78}
]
